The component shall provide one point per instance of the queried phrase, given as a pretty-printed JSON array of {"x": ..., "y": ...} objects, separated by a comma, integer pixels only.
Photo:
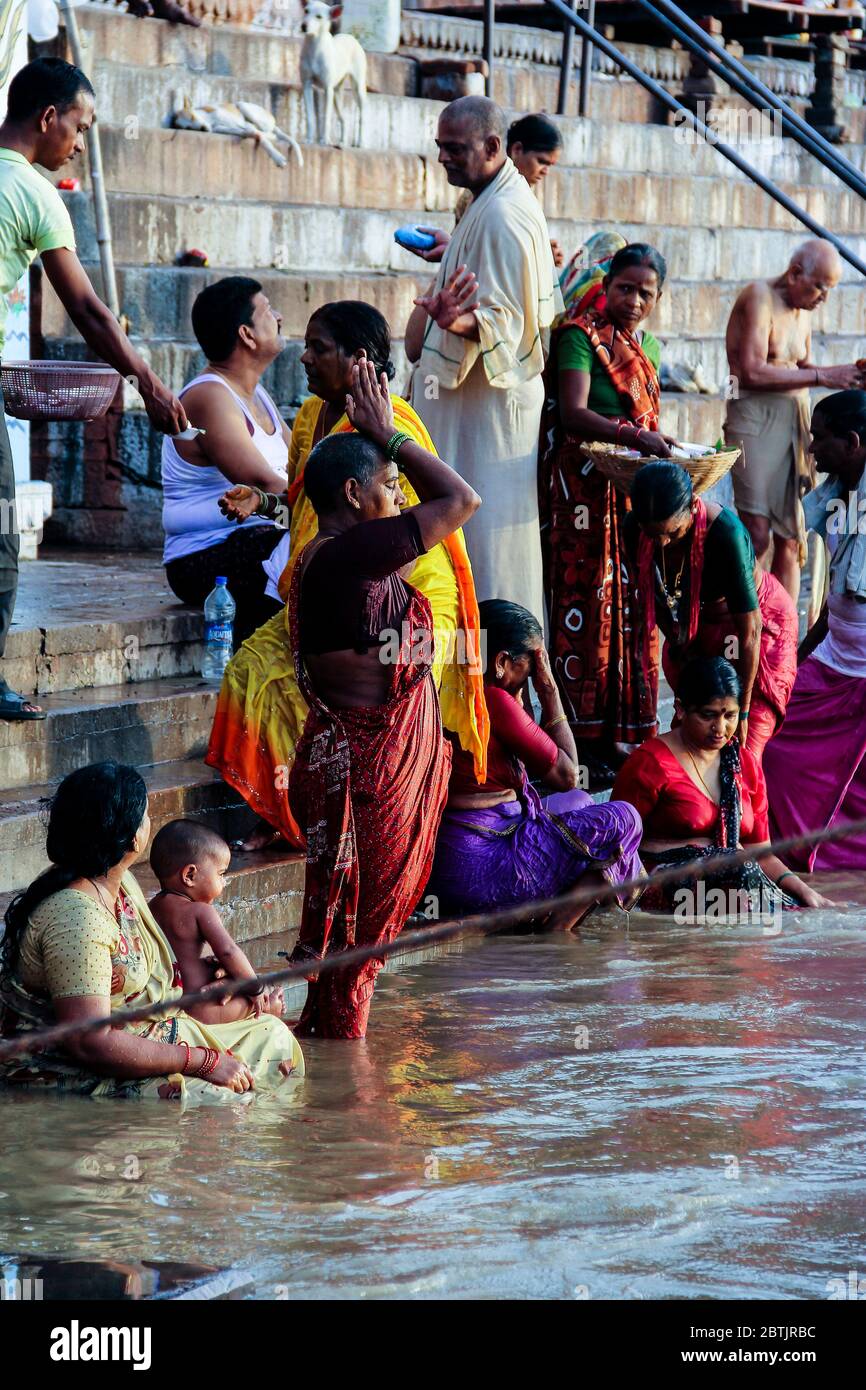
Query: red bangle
[
  {"x": 209, "y": 1064},
  {"x": 184, "y": 1069}
]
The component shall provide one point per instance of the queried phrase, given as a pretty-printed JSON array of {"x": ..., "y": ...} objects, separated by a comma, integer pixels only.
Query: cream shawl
[{"x": 503, "y": 238}]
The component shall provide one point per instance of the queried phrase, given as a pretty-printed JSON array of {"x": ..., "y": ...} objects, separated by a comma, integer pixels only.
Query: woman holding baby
[{"x": 81, "y": 943}]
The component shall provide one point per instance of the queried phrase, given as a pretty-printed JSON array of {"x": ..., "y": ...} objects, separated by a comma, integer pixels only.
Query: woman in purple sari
[{"x": 502, "y": 842}]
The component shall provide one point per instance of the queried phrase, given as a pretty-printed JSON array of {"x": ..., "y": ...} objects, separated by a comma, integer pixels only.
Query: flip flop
[{"x": 12, "y": 706}]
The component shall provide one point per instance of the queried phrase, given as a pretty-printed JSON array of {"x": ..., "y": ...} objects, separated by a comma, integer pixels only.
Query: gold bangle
[{"x": 560, "y": 719}]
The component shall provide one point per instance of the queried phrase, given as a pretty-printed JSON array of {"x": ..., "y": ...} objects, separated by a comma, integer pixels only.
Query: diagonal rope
[{"x": 482, "y": 924}]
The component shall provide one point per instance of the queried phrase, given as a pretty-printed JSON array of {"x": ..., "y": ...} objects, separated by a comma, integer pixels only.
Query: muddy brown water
[{"x": 649, "y": 1111}]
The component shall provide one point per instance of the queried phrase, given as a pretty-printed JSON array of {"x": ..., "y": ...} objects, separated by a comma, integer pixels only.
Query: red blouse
[
  {"x": 672, "y": 807},
  {"x": 514, "y": 738}
]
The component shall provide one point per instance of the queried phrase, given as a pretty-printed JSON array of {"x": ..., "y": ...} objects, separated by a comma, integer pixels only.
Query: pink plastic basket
[{"x": 58, "y": 390}]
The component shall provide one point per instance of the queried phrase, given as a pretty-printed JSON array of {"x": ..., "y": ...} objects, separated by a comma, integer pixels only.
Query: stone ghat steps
[
  {"x": 186, "y": 787},
  {"x": 139, "y": 101},
  {"x": 125, "y": 638},
  {"x": 152, "y": 230},
  {"x": 142, "y": 723},
  {"x": 196, "y": 167},
  {"x": 160, "y": 300}
]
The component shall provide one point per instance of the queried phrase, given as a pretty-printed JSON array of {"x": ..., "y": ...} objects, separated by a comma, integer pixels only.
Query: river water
[{"x": 649, "y": 1111}]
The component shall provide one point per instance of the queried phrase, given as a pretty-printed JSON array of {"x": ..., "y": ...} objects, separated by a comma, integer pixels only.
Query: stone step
[
  {"x": 73, "y": 628},
  {"x": 177, "y": 789},
  {"x": 140, "y": 100},
  {"x": 159, "y": 301},
  {"x": 199, "y": 166},
  {"x": 147, "y": 722},
  {"x": 151, "y": 230}
]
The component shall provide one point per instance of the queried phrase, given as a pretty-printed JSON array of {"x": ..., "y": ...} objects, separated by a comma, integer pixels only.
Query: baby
[{"x": 190, "y": 860}]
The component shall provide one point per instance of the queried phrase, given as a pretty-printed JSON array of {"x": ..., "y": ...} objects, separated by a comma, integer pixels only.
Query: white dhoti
[
  {"x": 482, "y": 401},
  {"x": 491, "y": 438}
]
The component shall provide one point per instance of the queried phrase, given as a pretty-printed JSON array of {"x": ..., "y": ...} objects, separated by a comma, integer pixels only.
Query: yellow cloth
[
  {"x": 261, "y": 712},
  {"x": 73, "y": 946}
]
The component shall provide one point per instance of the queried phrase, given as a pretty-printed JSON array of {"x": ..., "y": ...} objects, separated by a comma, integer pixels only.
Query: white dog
[
  {"x": 246, "y": 119},
  {"x": 326, "y": 61}
]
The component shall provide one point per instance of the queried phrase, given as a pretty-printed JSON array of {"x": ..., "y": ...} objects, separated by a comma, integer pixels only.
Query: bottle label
[{"x": 219, "y": 633}]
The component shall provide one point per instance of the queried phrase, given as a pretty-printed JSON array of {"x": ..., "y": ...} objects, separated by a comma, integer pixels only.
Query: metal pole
[
  {"x": 792, "y": 124},
  {"x": 97, "y": 180},
  {"x": 567, "y": 60},
  {"x": 489, "y": 36},
  {"x": 586, "y": 62},
  {"x": 661, "y": 94}
]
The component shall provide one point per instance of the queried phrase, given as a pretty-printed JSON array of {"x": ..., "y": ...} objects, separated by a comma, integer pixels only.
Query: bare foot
[
  {"x": 175, "y": 14},
  {"x": 262, "y": 836},
  {"x": 286, "y": 1068}
]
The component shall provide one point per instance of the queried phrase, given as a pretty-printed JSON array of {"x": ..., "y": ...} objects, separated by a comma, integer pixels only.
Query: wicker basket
[
  {"x": 616, "y": 465},
  {"x": 58, "y": 390}
]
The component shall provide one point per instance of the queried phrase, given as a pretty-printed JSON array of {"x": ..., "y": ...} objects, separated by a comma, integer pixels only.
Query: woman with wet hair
[
  {"x": 701, "y": 793},
  {"x": 261, "y": 711},
  {"x": 698, "y": 580},
  {"x": 508, "y": 841},
  {"x": 81, "y": 943},
  {"x": 602, "y": 379}
]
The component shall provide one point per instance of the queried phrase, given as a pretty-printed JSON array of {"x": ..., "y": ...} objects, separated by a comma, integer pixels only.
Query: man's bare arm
[
  {"x": 101, "y": 331},
  {"x": 748, "y": 346},
  {"x": 226, "y": 443}
]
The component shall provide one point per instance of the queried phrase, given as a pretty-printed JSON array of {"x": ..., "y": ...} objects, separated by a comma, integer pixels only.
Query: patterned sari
[
  {"x": 608, "y": 681},
  {"x": 367, "y": 788},
  {"x": 74, "y": 944},
  {"x": 261, "y": 709}
]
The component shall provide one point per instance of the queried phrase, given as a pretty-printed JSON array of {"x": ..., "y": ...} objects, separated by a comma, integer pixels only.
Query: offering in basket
[
  {"x": 705, "y": 464},
  {"x": 58, "y": 390}
]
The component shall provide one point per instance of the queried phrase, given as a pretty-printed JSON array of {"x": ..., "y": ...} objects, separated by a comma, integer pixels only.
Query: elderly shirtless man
[{"x": 769, "y": 342}]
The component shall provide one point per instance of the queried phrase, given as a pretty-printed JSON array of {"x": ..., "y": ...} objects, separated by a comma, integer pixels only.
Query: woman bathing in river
[
  {"x": 503, "y": 842},
  {"x": 700, "y": 793},
  {"x": 81, "y": 943}
]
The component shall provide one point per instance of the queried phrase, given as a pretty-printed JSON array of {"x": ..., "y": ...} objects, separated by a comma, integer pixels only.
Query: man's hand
[
  {"x": 239, "y": 503},
  {"x": 164, "y": 411},
  {"x": 558, "y": 254},
  {"x": 436, "y": 252},
  {"x": 459, "y": 296},
  {"x": 844, "y": 378}
]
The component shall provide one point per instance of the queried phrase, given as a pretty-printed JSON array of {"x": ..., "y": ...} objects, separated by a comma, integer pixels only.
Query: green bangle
[
  {"x": 789, "y": 873},
  {"x": 395, "y": 443},
  {"x": 744, "y": 714}
]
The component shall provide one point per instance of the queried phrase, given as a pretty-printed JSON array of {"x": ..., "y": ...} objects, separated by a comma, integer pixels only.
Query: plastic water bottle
[{"x": 219, "y": 617}]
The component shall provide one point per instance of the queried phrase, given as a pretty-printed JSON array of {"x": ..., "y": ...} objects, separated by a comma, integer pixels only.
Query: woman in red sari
[
  {"x": 371, "y": 768},
  {"x": 699, "y": 580},
  {"x": 602, "y": 379}
]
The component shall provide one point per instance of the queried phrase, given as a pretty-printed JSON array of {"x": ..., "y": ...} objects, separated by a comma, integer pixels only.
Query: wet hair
[
  {"x": 660, "y": 491},
  {"x": 638, "y": 253},
  {"x": 508, "y": 628},
  {"x": 183, "y": 842},
  {"x": 536, "y": 133},
  {"x": 335, "y": 460},
  {"x": 353, "y": 325},
  {"x": 707, "y": 678},
  {"x": 93, "y": 818},
  {"x": 45, "y": 82},
  {"x": 844, "y": 413},
  {"x": 219, "y": 312}
]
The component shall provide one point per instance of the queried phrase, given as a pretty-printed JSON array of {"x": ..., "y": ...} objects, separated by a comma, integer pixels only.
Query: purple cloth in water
[
  {"x": 815, "y": 766},
  {"x": 531, "y": 848}
]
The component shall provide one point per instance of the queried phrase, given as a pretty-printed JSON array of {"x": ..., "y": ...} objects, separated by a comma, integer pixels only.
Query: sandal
[{"x": 15, "y": 706}]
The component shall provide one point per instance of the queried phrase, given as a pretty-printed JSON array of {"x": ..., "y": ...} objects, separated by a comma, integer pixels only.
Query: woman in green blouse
[{"x": 603, "y": 371}]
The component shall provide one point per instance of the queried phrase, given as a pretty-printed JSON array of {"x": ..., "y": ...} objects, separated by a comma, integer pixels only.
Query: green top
[
  {"x": 728, "y": 570},
  {"x": 33, "y": 218},
  {"x": 575, "y": 353}
]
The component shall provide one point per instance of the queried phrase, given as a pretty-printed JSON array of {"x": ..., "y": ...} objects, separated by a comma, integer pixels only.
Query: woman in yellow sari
[
  {"x": 261, "y": 712},
  {"x": 81, "y": 943}
]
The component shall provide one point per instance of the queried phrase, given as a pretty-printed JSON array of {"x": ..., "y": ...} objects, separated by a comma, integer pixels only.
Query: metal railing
[{"x": 734, "y": 73}]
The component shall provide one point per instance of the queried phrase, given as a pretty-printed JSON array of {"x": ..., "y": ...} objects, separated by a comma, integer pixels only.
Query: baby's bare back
[{"x": 178, "y": 918}]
